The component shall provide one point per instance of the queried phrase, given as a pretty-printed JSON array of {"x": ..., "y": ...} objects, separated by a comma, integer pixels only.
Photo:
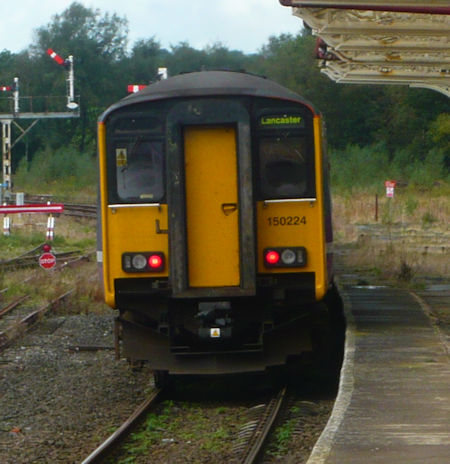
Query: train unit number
[{"x": 286, "y": 220}]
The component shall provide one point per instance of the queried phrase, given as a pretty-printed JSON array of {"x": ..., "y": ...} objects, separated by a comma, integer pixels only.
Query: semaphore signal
[
  {"x": 14, "y": 88},
  {"x": 15, "y": 113},
  {"x": 133, "y": 88},
  {"x": 52, "y": 54},
  {"x": 68, "y": 65}
]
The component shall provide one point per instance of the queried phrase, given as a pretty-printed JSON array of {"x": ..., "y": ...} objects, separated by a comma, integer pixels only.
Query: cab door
[{"x": 212, "y": 206}]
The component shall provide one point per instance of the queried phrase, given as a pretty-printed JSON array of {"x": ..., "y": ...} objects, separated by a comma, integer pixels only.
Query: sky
[{"x": 244, "y": 25}]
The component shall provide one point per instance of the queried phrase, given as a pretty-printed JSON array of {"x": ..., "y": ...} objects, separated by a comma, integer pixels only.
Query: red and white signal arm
[
  {"x": 47, "y": 260},
  {"x": 134, "y": 88},
  {"x": 390, "y": 186},
  {"x": 59, "y": 59}
]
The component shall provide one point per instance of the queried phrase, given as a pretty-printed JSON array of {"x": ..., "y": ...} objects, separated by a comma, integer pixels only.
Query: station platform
[{"x": 393, "y": 404}]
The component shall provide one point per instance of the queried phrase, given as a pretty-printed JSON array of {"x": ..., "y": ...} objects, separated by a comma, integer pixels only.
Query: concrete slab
[{"x": 393, "y": 404}]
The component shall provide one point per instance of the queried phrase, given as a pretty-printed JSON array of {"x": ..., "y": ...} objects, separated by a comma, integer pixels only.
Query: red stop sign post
[
  {"x": 47, "y": 260},
  {"x": 390, "y": 186}
]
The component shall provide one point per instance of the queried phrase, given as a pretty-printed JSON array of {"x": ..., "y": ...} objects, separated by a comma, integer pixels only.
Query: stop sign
[{"x": 47, "y": 260}]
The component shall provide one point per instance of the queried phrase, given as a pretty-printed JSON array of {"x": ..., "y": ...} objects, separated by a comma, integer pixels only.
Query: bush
[
  {"x": 431, "y": 170},
  {"x": 357, "y": 167},
  {"x": 370, "y": 166},
  {"x": 63, "y": 171}
]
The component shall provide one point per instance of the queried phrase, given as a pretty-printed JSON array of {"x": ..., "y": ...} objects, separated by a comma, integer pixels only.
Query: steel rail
[
  {"x": 87, "y": 211},
  {"x": 113, "y": 440},
  {"x": 74, "y": 261},
  {"x": 13, "y": 305},
  {"x": 256, "y": 443},
  {"x": 14, "y": 331},
  {"x": 23, "y": 255}
]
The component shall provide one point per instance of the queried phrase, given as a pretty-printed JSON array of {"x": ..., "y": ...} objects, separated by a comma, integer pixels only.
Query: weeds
[
  {"x": 406, "y": 272},
  {"x": 283, "y": 436},
  {"x": 186, "y": 424},
  {"x": 428, "y": 219},
  {"x": 411, "y": 205}
]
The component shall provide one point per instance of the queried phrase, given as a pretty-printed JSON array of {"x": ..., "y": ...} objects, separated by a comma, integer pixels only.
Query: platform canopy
[{"x": 380, "y": 42}]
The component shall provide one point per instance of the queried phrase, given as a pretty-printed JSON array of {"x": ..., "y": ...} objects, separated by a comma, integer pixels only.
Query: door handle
[{"x": 228, "y": 208}]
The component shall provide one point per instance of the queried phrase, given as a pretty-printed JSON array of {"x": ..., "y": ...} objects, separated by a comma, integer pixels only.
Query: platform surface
[{"x": 393, "y": 404}]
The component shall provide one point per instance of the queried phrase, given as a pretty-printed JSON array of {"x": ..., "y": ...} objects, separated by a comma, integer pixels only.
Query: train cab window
[
  {"x": 284, "y": 168},
  {"x": 140, "y": 170}
]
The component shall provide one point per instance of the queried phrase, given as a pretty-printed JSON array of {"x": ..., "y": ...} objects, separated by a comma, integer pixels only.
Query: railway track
[
  {"x": 30, "y": 258},
  {"x": 113, "y": 441},
  {"x": 80, "y": 210},
  {"x": 251, "y": 440},
  {"x": 15, "y": 328},
  {"x": 16, "y": 318},
  {"x": 70, "y": 209},
  {"x": 9, "y": 307},
  {"x": 253, "y": 450}
]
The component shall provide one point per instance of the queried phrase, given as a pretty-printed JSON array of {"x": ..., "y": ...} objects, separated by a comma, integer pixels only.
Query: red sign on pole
[
  {"x": 47, "y": 260},
  {"x": 390, "y": 186}
]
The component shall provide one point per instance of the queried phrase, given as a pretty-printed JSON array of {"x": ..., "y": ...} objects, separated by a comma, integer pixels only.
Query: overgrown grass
[
  {"x": 71, "y": 234},
  {"x": 409, "y": 242}
]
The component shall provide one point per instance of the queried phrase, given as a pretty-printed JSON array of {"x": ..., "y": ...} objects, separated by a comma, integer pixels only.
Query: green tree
[
  {"x": 146, "y": 57},
  {"x": 184, "y": 58},
  {"x": 290, "y": 61}
]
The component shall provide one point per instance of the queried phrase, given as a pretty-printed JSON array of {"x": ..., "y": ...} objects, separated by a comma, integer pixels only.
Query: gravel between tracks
[{"x": 57, "y": 405}]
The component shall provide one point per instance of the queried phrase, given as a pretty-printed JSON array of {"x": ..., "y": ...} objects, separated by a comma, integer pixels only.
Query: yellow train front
[{"x": 214, "y": 223}]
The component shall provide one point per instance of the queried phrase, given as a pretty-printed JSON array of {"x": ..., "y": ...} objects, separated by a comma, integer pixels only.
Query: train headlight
[
  {"x": 285, "y": 257},
  {"x": 139, "y": 262},
  {"x": 146, "y": 261},
  {"x": 288, "y": 256}
]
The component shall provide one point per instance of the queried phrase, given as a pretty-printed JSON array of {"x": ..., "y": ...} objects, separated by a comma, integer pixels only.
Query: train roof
[{"x": 210, "y": 83}]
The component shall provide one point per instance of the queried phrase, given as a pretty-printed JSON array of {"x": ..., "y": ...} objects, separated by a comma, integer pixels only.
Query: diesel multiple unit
[{"x": 215, "y": 222}]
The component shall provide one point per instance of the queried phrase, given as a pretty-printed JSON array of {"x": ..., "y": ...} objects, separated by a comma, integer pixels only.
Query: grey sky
[{"x": 239, "y": 24}]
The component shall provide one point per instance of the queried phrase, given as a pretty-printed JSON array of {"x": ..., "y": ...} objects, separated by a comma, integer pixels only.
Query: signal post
[{"x": 14, "y": 108}]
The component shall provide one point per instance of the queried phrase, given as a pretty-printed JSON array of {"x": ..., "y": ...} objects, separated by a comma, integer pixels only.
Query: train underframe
[{"x": 281, "y": 323}]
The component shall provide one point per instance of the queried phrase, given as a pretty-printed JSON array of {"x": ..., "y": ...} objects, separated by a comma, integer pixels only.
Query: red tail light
[
  {"x": 155, "y": 261},
  {"x": 272, "y": 257}
]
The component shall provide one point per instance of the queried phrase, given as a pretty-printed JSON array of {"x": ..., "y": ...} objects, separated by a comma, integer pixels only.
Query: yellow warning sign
[
  {"x": 215, "y": 333},
  {"x": 121, "y": 157}
]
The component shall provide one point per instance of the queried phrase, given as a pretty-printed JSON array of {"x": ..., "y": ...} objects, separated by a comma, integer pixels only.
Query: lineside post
[
  {"x": 6, "y": 225},
  {"x": 6, "y": 154}
]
